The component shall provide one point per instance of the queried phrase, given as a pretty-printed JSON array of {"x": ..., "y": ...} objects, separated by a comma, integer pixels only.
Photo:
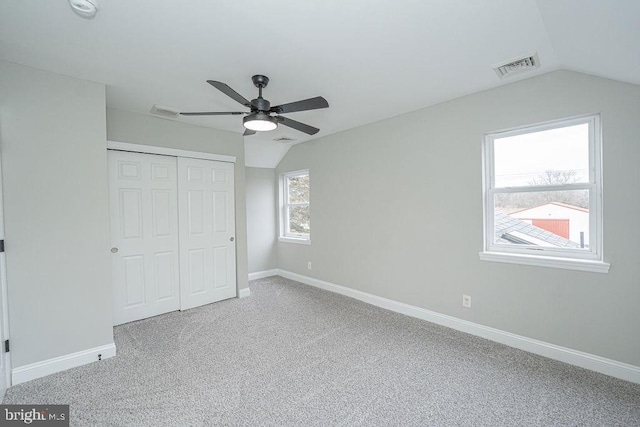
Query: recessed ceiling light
[{"x": 84, "y": 8}]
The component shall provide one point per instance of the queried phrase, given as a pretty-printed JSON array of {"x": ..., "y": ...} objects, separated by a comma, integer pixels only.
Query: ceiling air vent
[
  {"x": 284, "y": 139},
  {"x": 164, "y": 112},
  {"x": 517, "y": 65}
]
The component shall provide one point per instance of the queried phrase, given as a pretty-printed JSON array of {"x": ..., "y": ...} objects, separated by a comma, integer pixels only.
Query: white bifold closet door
[
  {"x": 172, "y": 231},
  {"x": 207, "y": 231},
  {"x": 144, "y": 235}
]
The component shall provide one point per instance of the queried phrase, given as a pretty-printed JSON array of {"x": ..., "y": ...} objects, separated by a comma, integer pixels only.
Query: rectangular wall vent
[
  {"x": 517, "y": 65},
  {"x": 164, "y": 112},
  {"x": 284, "y": 139}
]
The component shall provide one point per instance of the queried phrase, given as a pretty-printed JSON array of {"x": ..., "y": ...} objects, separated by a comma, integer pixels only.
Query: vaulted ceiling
[{"x": 371, "y": 59}]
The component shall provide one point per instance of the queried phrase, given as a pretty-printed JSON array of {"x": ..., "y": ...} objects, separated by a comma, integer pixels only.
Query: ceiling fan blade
[
  {"x": 304, "y": 105},
  {"x": 222, "y": 87},
  {"x": 248, "y": 132},
  {"x": 297, "y": 125},
  {"x": 214, "y": 113}
]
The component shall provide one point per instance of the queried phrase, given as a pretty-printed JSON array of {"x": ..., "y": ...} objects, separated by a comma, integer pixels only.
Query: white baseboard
[
  {"x": 573, "y": 357},
  {"x": 263, "y": 274},
  {"x": 243, "y": 293},
  {"x": 51, "y": 366}
]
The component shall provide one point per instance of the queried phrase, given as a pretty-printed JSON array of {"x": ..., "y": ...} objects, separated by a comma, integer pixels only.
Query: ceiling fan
[{"x": 260, "y": 117}]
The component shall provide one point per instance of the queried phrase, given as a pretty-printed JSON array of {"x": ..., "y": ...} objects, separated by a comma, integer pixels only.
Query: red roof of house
[{"x": 564, "y": 205}]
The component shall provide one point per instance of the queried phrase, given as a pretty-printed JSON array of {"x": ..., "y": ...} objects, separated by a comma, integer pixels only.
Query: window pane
[
  {"x": 299, "y": 219},
  {"x": 550, "y": 157},
  {"x": 553, "y": 219},
  {"x": 299, "y": 189}
]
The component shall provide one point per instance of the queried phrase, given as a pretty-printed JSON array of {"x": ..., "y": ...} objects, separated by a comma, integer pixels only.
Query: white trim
[
  {"x": 151, "y": 149},
  {"x": 542, "y": 261},
  {"x": 62, "y": 363},
  {"x": 5, "y": 357},
  {"x": 574, "y": 357},
  {"x": 300, "y": 172},
  {"x": 297, "y": 240},
  {"x": 544, "y": 125},
  {"x": 244, "y": 292},
  {"x": 262, "y": 274},
  {"x": 283, "y": 213},
  {"x": 541, "y": 188}
]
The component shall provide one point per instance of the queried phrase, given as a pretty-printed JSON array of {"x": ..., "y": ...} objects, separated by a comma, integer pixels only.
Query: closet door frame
[{"x": 149, "y": 149}]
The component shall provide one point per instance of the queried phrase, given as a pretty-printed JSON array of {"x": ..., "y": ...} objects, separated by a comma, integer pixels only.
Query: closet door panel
[
  {"x": 207, "y": 231},
  {"x": 143, "y": 202}
]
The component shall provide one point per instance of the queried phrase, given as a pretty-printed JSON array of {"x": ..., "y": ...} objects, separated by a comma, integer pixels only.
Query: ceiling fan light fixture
[{"x": 259, "y": 122}]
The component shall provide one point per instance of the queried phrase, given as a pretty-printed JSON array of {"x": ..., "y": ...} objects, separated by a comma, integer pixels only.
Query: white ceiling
[{"x": 371, "y": 59}]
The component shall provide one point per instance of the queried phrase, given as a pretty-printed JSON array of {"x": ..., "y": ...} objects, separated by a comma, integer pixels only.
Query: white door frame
[{"x": 4, "y": 322}]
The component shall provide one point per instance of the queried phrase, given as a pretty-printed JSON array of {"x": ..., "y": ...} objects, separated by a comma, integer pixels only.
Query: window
[
  {"x": 294, "y": 214},
  {"x": 542, "y": 195}
]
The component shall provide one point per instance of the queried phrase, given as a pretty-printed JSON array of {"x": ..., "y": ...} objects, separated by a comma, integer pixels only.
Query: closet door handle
[
  {"x": 232, "y": 239},
  {"x": 114, "y": 250}
]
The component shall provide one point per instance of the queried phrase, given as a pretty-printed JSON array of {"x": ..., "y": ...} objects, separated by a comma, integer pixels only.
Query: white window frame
[
  {"x": 285, "y": 235},
  {"x": 573, "y": 259}
]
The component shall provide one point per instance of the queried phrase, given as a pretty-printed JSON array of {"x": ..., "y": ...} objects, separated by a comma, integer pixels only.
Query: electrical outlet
[
  {"x": 466, "y": 301},
  {"x": 309, "y": 265}
]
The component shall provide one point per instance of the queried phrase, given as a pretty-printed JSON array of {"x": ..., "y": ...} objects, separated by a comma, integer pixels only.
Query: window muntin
[
  {"x": 543, "y": 190},
  {"x": 296, "y": 219}
]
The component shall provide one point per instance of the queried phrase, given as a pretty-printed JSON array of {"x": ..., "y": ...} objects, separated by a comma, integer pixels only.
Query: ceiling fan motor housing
[{"x": 261, "y": 104}]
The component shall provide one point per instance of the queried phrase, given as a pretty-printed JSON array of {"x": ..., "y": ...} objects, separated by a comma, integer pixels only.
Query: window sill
[
  {"x": 542, "y": 261},
  {"x": 298, "y": 240}
]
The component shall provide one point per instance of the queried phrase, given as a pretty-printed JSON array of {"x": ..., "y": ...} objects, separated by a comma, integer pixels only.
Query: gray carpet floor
[{"x": 295, "y": 355}]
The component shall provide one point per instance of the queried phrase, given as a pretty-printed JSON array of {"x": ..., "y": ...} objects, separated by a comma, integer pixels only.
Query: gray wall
[
  {"x": 124, "y": 126},
  {"x": 261, "y": 219},
  {"x": 54, "y": 169},
  {"x": 396, "y": 211}
]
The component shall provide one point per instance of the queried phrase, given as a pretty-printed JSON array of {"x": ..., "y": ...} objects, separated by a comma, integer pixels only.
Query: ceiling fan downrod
[{"x": 260, "y": 103}]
